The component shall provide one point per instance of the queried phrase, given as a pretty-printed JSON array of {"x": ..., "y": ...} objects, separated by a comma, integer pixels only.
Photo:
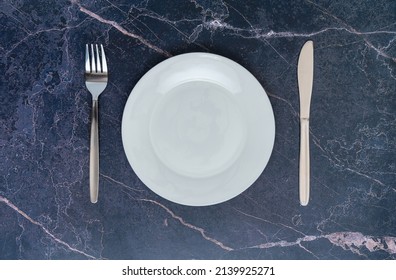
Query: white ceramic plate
[{"x": 198, "y": 129}]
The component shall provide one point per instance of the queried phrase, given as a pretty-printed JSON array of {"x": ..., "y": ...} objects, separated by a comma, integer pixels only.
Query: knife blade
[{"x": 305, "y": 82}]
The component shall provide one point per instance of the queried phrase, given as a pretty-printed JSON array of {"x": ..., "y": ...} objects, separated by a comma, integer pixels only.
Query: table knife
[{"x": 305, "y": 81}]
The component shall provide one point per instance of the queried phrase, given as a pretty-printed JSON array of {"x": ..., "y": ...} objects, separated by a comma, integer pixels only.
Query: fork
[{"x": 96, "y": 76}]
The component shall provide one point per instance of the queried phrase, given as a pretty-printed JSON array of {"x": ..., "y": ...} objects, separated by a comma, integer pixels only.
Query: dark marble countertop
[{"x": 45, "y": 211}]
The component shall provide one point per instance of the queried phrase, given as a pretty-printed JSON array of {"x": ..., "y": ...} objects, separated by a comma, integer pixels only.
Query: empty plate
[{"x": 198, "y": 129}]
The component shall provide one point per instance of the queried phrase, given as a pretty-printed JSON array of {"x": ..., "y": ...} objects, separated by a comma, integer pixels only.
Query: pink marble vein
[
  {"x": 51, "y": 235},
  {"x": 123, "y": 30},
  {"x": 184, "y": 223}
]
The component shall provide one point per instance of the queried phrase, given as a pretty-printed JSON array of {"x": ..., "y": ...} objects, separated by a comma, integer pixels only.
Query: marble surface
[{"x": 45, "y": 211}]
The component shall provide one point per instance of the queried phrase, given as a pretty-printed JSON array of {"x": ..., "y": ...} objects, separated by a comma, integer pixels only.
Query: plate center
[{"x": 197, "y": 129}]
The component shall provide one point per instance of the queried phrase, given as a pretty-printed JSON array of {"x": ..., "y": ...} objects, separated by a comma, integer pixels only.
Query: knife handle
[
  {"x": 94, "y": 154},
  {"x": 304, "y": 161}
]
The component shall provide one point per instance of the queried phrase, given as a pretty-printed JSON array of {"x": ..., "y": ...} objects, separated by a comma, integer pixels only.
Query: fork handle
[
  {"x": 94, "y": 154},
  {"x": 304, "y": 161}
]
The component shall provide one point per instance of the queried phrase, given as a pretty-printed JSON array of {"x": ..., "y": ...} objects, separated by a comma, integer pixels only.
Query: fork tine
[
  {"x": 94, "y": 69},
  {"x": 104, "y": 63},
  {"x": 87, "y": 61},
  {"x": 98, "y": 64}
]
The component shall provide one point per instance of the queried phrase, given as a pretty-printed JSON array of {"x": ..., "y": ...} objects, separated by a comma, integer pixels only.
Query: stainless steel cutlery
[
  {"x": 96, "y": 76},
  {"x": 305, "y": 82}
]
